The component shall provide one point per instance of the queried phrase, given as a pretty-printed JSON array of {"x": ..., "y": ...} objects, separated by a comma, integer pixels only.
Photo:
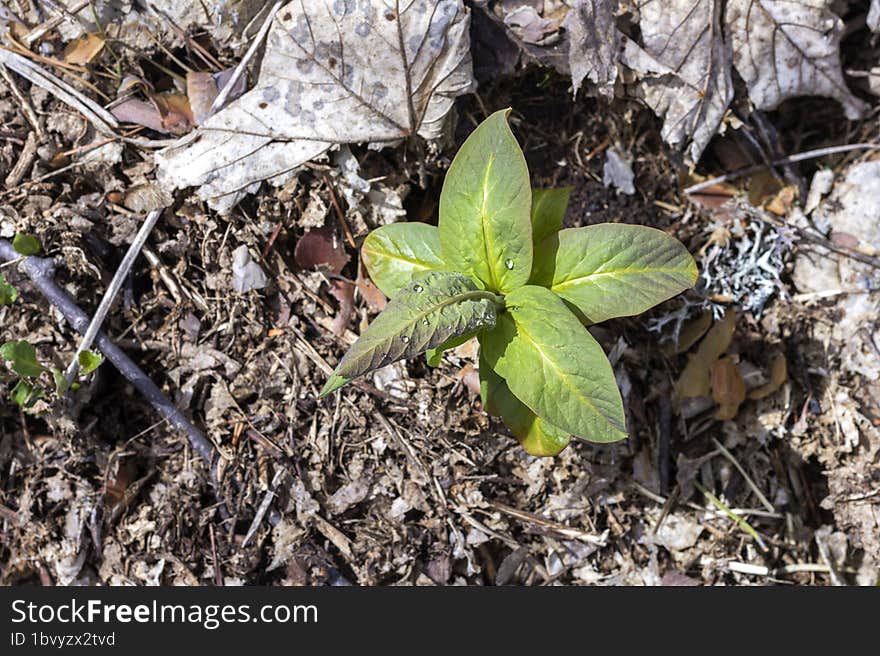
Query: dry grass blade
[{"x": 103, "y": 120}]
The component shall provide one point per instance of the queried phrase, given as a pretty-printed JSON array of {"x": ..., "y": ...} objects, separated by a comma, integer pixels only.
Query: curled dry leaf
[
  {"x": 169, "y": 113},
  {"x": 391, "y": 75},
  {"x": 778, "y": 375}
]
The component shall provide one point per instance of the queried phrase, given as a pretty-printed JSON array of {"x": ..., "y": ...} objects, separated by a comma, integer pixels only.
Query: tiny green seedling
[
  {"x": 499, "y": 267},
  {"x": 22, "y": 358}
]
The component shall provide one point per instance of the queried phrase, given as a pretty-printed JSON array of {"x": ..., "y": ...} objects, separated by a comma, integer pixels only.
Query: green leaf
[
  {"x": 548, "y": 211},
  {"x": 89, "y": 361},
  {"x": 396, "y": 254},
  {"x": 554, "y": 366},
  {"x": 24, "y": 394},
  {"x": 23, "y": 357},
  {"x": 435, "y": 355},
  {"x": 426, "y": 313},
  {"x": 485, "y": 226},
  {"x": 8, "y": 293},
  {"x": 614, "y": 270},
  {"x": 536, "y": 436},
  {"x": 61, "y": 385},
  {"x": 26, "y": 244}
]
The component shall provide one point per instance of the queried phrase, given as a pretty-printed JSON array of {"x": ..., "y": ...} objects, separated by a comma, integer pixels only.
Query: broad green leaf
[
  {"x": 89, "y": 361},
  {"x": 8, "y": 293},
  {"x": 435, "y": 355},
  {"x": 614, "y": 270},
  {"x": 554, "y": 366},
  {"x": 548, "y": 211},
  {"x": 396, "y": 254},
  {"x": 23, "y": 357},
  {"x": 536, "y": 436},
  {"x": 26, "y": 244},
  {"x": 485, "y": 226},
  {"x": 426, "y": 313}
]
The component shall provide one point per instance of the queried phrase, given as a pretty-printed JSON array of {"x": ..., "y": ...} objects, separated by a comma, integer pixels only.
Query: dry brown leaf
[
  {"x": 201, "y": 89},
  {"x": 728, "y": 387},
  {"x": 177, "y": 116},
  {"x": 689, "y": 334},
  {"x": 321, "y": 248},
  {"x": 375, "y": 299},
  {"x": 778, "y": 375},
  {"x": 342, "y": 291},
  {"x": 695, "y": 380},
  {"x": 83, "y": 50},
  {"x": 782, "y": 202}
]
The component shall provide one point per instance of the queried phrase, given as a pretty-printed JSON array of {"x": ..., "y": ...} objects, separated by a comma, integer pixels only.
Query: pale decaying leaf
[
  {"x": 332, "y": 73},
  {"x": 688, "y": 48},
  {"x": 594, "y": 44},
  {"x": 685, "y": 69},
  {"x": 784, "y": 49}
]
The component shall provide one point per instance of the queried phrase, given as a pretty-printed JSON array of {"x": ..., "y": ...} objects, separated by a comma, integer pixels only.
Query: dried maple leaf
[
  {"x": 784, "y": 49},
  {"x": 685, "y": 69},
  {"x": 340, "y": 72}
]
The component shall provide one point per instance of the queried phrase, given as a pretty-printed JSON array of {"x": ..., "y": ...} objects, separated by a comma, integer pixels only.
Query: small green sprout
[
  {"x": 8, "y": 293},
  {"x": 500, "y": 267}
]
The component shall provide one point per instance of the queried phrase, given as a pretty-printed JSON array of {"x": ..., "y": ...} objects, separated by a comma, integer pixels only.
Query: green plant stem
[{"x": 743, "y": 524}]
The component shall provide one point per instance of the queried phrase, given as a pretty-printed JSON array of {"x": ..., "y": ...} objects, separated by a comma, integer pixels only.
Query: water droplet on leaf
[
  {"x": 508, "y": 263},
  {"x": 404, "y": 339},
  {"x": 418, "y": 289},
  {"x": 426, "y": 322}
]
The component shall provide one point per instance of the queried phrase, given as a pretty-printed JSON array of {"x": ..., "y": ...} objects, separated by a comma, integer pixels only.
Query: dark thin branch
[{"x": 42, "y": 271}]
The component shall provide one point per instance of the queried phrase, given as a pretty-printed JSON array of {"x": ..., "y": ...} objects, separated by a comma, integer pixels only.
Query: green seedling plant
[
  {"x": 499, "y": 267},
  {"x": 21, "y": 357}
]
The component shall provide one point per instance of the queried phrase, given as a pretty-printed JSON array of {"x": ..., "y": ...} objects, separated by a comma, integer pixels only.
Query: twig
[
  {"x": 815, "y": 237},
  {"x": 41, "y": 271},
  {"x": 25, "y": 160},
  {"x": 110, "y": 295},
  {"x": 563, "y": 530},
  {"x": 754, "y": 488},
  {"x": 223, "y": 96},
  {"x": 761, "y": 570},
  {"x": 339, "y": 213},
  {"x": 103, "y": 120},
  {"x": 66, "y": 14},
  {"x": 800, "y": 157},
  {"x": 27, "y": 107}
]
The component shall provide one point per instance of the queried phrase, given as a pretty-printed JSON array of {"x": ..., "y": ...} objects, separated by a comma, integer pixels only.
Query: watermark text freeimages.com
[{"x": 209, "y": 616}]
